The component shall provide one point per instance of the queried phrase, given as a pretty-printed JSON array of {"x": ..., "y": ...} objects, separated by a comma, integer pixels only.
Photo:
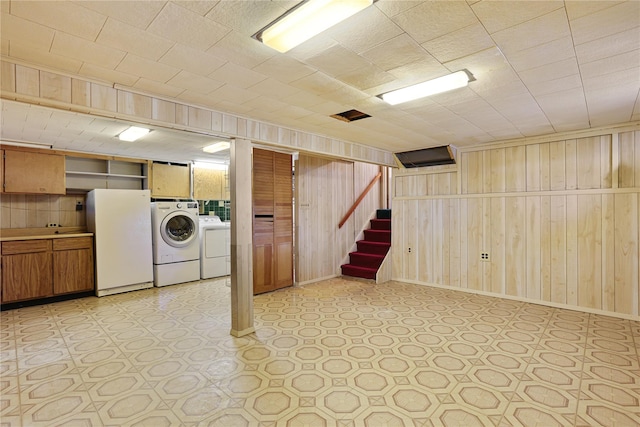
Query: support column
[{"x": 240, "y": 172}]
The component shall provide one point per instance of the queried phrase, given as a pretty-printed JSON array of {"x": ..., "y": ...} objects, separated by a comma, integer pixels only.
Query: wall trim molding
[{"x": 592, "y": 191}]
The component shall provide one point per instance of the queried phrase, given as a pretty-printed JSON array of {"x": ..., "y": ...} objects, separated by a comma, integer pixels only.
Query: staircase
[{"x": 364, "y": 263}]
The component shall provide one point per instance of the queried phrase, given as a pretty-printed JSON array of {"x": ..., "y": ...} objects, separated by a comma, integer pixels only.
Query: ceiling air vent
[
  {"x": 350, "y": 116},
  {"x": 426, "y": 157}
]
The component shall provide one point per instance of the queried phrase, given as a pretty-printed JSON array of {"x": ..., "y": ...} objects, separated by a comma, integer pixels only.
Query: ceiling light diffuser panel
[
  {"x": 133, "y": 133},
  {"x": 306, "y": 20},
  {"x": 430, "y": 87}
]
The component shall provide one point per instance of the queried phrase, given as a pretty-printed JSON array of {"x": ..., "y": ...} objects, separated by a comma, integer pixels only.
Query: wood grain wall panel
[
  {"x": 486, "y": 171},
  {"x": 533, "y": 248},
  {"x": 398, "y": 227},
  {"x": 486, "y": 242},
  {"x": 533, "y": 167},
  {"x": 473, "y": 175},
  {"x": 515, "y": 246},
  {"x": 497, "y": 246},
  {"x": 588, "y": 163},
  {"x": 454, "y": 242},
  {"x": 572, "y": 250},
  {"x": 605, "y": 162},
  {"x": 629, "y": 168},
  {"x": 558, "y": 234},
  {"x": 515, "y": 169},
  {"x": 608, "y": 252},
  {"x": 81, "y": 92},
  {"x": 104, "y": 97},
  {"x": 7, "y": 76},
  {"x": 474, "y": 243},
  {"x": 545, "y": 248},
  {"x": 545, "y": 167},
  {"x": 557, "y": 165},
  {"x": 570, "y": 167},
  {"x": 421, "y": 184},
  {"x": 411, "y": 238},
  {"x": 426, "y": 248},
  {"x": 27, "y": 81},
  {"x": 626, "y": 253},
  {"x": 464, "y": 243},
  {"x": 444, "y": 209},
  {"x": 590, "y": 251},
  {"x": 55, "y": 87},
  {"x": 498, "y": 169}
]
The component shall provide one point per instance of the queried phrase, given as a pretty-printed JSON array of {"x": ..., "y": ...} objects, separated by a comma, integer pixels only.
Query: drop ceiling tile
[
  {"x": 312, "y": 47},
  {"x": 201, "y": 7},
  {"x": 628, "y": 77},
  {"x": 67, "y": 17},
  {"x": 612, "y": 105},
  {"x": 558, "y": 85},
  {"x": 430, "y": 20},
  {"x": 328, "y": 108},
  {"x": 392, "y": 8},
  {"x": 624, "y": 61},
  {"x": 33, "y": 54},
  {"x": 605, "y": 47},
  {"x": 274, "y": 89},
  {"x": 303, "y": 99},
  {"x": 237, "y": 76},
  {"x": 183, "y": 26},
  {"x": 317, "y": 83},
  {"x": 460, "y": 43},
  {"x": 151, "y": 70},
  {"x": 366, "y": 78},
  {"x": 337, "y": 60},
  {"x": 133, "y": 12},
  {"x": 230, "y": 93},
  {"x": 192, "y": 60},
  {"x": 157, "y": 88},
  {"x": 579, "y": 9},
  {"x": 538, "y": 31},
  {"x": 550, "y": 72},
  {"x": 499, "y": 15},
  {"x": 396, "y": 52},
  {"x": 418, "y": 71},
  {"x": 124, "y": 37},
  {"x": 364, "y": 30},
  {"x": 606, "y": 22},
  {"x": 294, "y": 113},
  {"x": 247, "y": 17},
  {"x": 554, "y": 51},
  {"x": 564, "y": 107},
  {"x": 242, "y": 50},
  {"x": 4, "y": 46},
  {"x": 86, "y": 51},
  {"x": 284, "y": 69},
  {"x": 266, "y": 103},
  {"x": 194, "y": 83},
  {"x": 94, "y": 72},
  {"x": 15, "y": 28},
  {"x": 345, "y": 94}
]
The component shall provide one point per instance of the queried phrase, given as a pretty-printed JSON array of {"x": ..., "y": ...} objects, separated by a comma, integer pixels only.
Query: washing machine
[
  {"x": 176, "y": 245},
  {"x": 215, "y": 247}
]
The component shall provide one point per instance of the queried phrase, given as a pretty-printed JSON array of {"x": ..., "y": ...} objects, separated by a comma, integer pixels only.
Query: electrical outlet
[
  {"x": 484, "y": 256},
  {"x": 78, "y": 206},
  {"x": 409, "y": 250},
  {"x": 51, "y": 225}
]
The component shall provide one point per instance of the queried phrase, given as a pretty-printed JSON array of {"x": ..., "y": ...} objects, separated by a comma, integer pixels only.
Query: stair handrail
[{"x": 362, "y": 196}]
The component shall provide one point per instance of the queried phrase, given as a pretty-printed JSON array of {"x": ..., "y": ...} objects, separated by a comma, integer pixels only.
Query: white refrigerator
[{"x": 121, "y": 223}]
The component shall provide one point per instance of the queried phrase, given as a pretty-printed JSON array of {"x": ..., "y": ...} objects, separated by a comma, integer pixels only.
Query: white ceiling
[{"x": 540, "y": 66}]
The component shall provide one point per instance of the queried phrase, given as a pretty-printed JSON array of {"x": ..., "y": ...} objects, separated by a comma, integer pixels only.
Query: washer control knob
[{"x": 179, "y": 205}]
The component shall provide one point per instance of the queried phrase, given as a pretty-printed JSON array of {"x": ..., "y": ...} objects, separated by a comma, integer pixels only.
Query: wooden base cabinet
[
  {"x": 26, "y": 270},
  {"x": 41, "y": 268},
  {"x": 72, "y": 265}
]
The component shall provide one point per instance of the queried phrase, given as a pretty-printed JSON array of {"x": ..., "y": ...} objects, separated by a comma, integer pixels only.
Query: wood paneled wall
[
  {"x": 325, "y": 190},
  {"x": 559, "y": 222}
]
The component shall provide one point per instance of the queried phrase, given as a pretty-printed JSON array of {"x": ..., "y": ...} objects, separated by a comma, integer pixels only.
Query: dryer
[
  {"x": 215, "y": 247},
  {"x": 176, "y": 245}
]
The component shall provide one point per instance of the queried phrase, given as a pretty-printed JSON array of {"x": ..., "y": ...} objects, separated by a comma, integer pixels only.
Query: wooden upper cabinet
[
  {"x": 209, "y": 184},
  {"x": 33, "y": 172},
  {"x": 171, "y": 181}
]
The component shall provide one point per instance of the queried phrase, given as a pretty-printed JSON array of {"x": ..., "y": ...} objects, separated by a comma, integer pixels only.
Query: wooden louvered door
[{"x": 272, "y": 221}]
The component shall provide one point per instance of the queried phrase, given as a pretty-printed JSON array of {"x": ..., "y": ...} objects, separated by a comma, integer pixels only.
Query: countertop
[{"x": 10, "y": 235}]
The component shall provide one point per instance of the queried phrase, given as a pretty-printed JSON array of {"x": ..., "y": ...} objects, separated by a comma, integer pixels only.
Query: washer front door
[{"x": 178, "y": 229}]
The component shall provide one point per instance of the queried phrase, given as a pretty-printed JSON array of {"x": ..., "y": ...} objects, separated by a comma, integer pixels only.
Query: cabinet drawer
[
  {"x": 25, "y": 246},
  {"x": 72, "y": 243}
]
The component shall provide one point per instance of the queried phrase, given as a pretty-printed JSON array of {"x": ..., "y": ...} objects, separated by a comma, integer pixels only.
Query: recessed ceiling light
[
  {"x": 218, "y": 146},
  {"x": 306, "y": 20},
  {"x": 430, "y": 87},
  {"x": 133, "y": 133}
]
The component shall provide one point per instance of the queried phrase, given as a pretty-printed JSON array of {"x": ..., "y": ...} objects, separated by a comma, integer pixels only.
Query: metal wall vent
[
  {"x": 350, "y": 116},
  {"x": 426, "y": 157}
]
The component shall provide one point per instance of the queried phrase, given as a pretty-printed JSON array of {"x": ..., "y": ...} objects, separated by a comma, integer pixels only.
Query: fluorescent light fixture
[
  {"x": 306, "y": 20},
  {"x": 208, "y": 165},
  {"x": 218, "y": 146},
  {"x": 431, "y": 87},
  {"x": 133, "y": 133}
]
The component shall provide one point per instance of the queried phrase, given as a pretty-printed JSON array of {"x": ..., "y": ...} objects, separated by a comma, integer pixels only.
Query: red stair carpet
[{"x": 365, "y": 262}]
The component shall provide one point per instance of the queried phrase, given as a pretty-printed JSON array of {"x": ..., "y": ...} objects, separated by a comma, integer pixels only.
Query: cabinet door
[
  {"x": 208, "y": 184},
  {"x": 26, "y": 276},
  {"x": 171, "y": 181},
  {"x": 33, "y": 172},
  {"x": 73, "y": 265}
]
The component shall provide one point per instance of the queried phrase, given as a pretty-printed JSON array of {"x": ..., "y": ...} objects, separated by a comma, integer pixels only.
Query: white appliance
[
  {"x": 121, "y": 223},
  {"x": 176, "y": 251},
  {"x": 215, "y": 247}
]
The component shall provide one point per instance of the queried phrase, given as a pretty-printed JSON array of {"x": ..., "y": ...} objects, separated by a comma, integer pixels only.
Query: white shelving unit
[{"x": 86, "y": 173}]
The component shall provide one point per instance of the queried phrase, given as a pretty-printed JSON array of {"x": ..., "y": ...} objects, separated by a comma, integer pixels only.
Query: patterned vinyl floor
[{"x": 335, "y": 353}]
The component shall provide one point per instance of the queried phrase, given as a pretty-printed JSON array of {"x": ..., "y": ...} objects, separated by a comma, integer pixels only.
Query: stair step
[
  {"x": 378, "y": 235},
  {"x": 381, "y": 224},
  {"x": 362, "y": 259},
  {"x": 383, "y": 213},
  {"x": 356, "y": 271},
  {"x": 379, "y": 248}
]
